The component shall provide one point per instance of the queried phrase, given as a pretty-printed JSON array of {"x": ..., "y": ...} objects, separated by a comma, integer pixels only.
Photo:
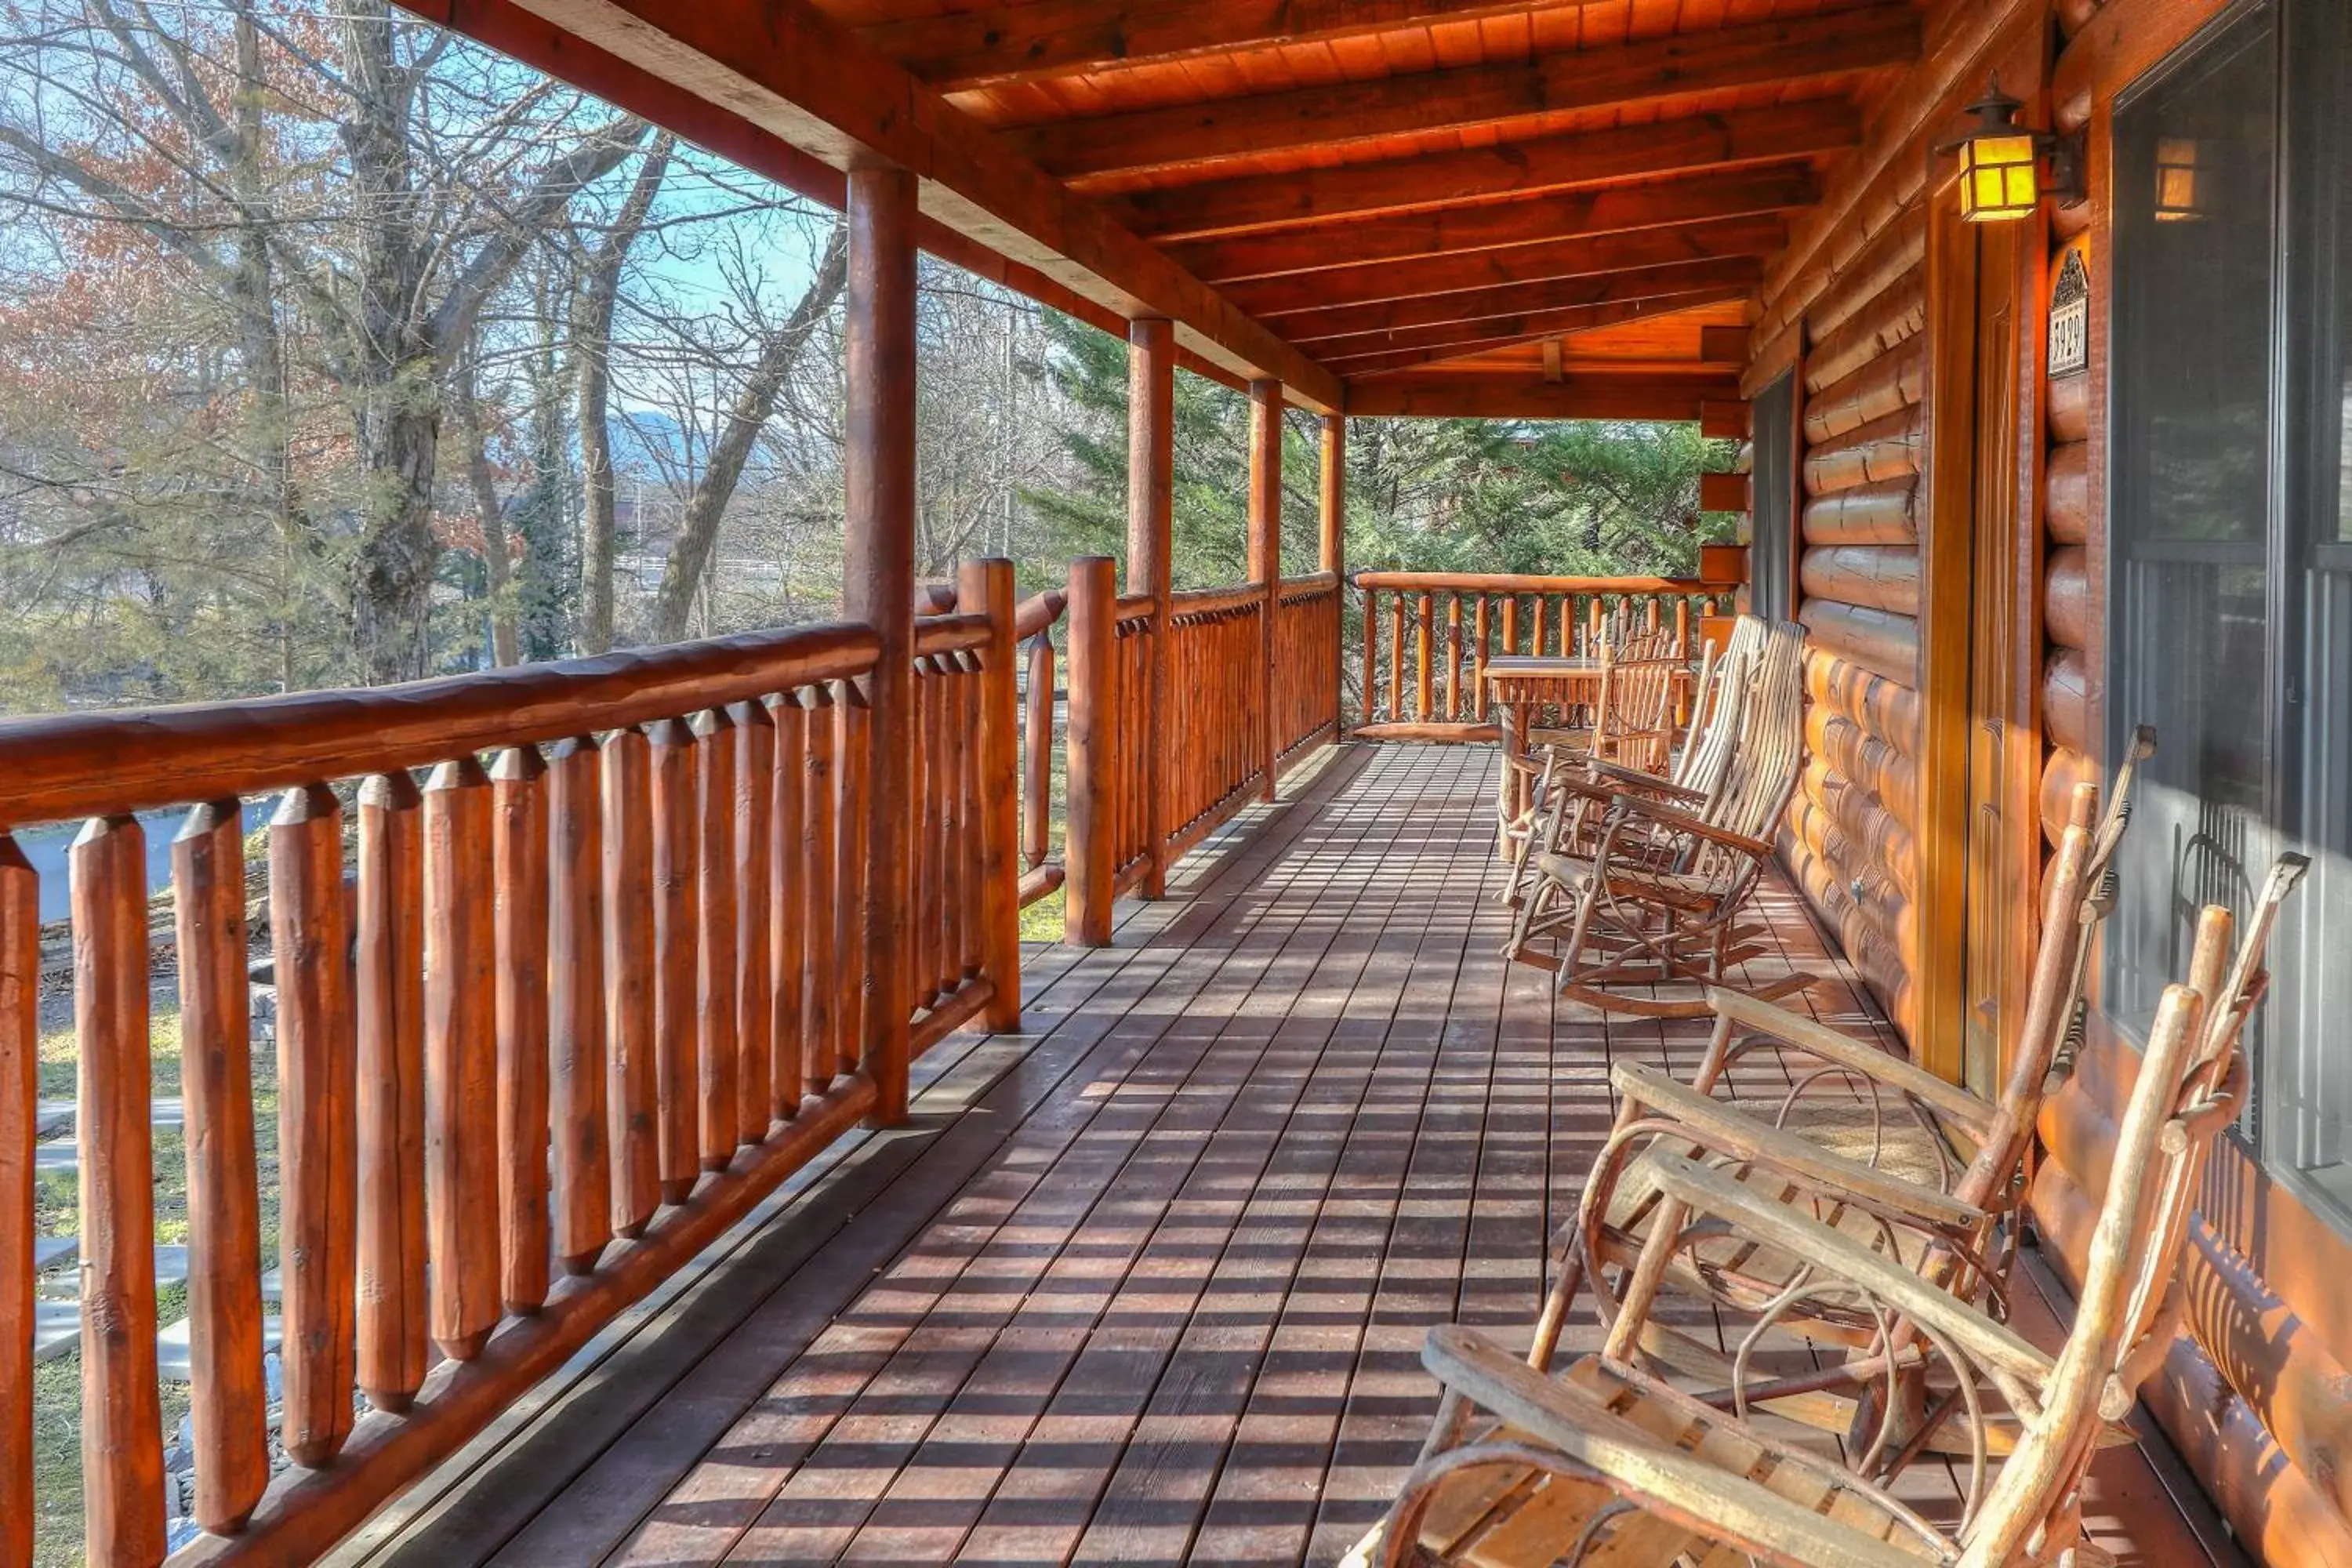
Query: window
[
  {"x": 2231, "y": 571},
  {"x": 1772, "y": 494}
]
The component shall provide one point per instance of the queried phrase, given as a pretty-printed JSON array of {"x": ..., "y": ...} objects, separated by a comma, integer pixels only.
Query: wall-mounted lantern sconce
[{"x": 1999, "y": 162}]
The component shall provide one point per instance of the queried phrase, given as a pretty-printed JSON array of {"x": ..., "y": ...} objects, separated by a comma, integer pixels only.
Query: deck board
[{"x": 1148, "y": 1283}]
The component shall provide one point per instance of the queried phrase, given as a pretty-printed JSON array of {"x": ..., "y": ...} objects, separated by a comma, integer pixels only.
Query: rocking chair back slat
[
  {"x": 1722, "y": 694},
  {"x": 1768, "y": 755}
]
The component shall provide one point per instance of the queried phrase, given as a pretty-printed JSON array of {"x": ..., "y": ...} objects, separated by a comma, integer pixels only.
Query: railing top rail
[
  {"x": 1134, "y": 607},
  {"x": 60, "y": 767},
  {"x": 1195, "y": 601},
  {"x": 950, "y": 633},
  {"x": 1515, "y": 583},
  {"x": 1037, "y": 612},
  {"x": 1308, "y": 585}
]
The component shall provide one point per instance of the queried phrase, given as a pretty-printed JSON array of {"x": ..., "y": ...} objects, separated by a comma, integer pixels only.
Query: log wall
[
  {"x": 2253, "y": 1389},
  {"x": 1850, "y": 836}
]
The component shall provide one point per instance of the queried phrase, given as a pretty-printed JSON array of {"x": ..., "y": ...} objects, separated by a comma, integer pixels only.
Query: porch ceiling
[{"x": 1382, "y": 204}]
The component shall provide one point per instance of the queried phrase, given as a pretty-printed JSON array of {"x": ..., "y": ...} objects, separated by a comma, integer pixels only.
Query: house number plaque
[{"x": 2070, "y": 318}]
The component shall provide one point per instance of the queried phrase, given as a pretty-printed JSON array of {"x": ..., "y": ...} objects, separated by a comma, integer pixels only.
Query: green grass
[{"x": 56, "y": 1385}]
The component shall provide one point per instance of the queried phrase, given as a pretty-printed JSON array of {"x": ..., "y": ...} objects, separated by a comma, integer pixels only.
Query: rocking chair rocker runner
[
  {"x": 1610, "y": 1463},
  {"x": 1660, "y": 900}
]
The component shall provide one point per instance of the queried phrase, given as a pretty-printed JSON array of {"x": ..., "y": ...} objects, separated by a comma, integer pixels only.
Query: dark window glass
[
  {"x": 1772, "y": 494},
  {"x": 2189, "y": 625}
]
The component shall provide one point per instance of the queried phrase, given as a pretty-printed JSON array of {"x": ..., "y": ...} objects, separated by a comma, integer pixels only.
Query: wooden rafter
[
  {"x": 1575, "y": 215},
  {"x": 1791, "y": 50},
  {"x": 1318, "y": 293},
  {"x": 1324, "y": 331},
  {"x": 1506, "y": 171},
  {"x": 784, "y": 67},
  {"x": 1047, "y": 39},
  {"x": 1438, "y": 395},
  {"x": 1427, "y": 345}
]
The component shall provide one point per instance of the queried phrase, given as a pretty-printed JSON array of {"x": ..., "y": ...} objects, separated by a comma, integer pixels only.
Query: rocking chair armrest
[
  {"x": 1649, "y": 784},
  {"x": 1754, "y": 1215},
  {"x": 1949, "y": 1100},
  {"x": 1637, "y": 1466},
  {"x": 1732, "y": 1132},
  {"x": 1667, "y": 817}
]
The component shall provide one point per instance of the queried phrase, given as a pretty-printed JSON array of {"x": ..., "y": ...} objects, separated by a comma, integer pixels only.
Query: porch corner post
[
  {"x": 1332, "y": 556},
  {"x": 1150, "y": 557},
  {"x": 879, "y": 588},
  {"x": 986, "y": 587},
  {"x": 1089, "y": 857},
  {"x": 1265, "y": 556}
]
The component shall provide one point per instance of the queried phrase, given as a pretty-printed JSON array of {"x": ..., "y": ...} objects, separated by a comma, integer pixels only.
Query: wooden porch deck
[{"x": 1148, "y": 1284}]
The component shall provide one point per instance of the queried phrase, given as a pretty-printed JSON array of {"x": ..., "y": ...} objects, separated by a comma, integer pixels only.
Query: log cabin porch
[
  {"x": 1310, "y": 1060},
  {"x": 1148, "y": 1283}
]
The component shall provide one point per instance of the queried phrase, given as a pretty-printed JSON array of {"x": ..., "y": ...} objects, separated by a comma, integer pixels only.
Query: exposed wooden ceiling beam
[
  {"x": 1322, "y": 332},
  {"x": 1794, "y": 50},
  {"x": 1439, "y": 395},
  {"x": 1504, "y": 171},
  {"x": 1045, "y": 38},
  {"x": 1317, "y": 294},
  {"x": 1426, "y": 346},
  {"x": 787, "y": 69},
  {"x": 1579, "y": 214}
]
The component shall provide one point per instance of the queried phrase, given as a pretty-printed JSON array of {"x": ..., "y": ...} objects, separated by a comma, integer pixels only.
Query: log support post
[
  {"x": 1088, "y": 853},
  {"x": 879, "y": 588},
  {"x": 985, "y": 587},
  {"x": 1331, "y": 556},
  {"x": 1150, "y": 522},
  {"x": 1266, "y": 557}
]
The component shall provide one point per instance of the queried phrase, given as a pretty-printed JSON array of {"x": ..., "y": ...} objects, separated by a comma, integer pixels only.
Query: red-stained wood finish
[
  {"x": 1266, "y": 558},
  {"x": 878, "y": 587},
  {"x": 389, "y": 977},
  {"x": 20, "y": 1062},
  {"x": 229, "y": 1400}
]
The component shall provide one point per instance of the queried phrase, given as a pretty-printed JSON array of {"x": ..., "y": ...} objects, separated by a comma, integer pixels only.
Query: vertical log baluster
[
  {"x": 854, "y": 770},
  {"x": 390, "y": 974},
  {"x": 461, "y": 1061},
  {"x": 1540, "y": 605},
  {"x": 1424, "y": 650},
  {"x": 1366, "y": 714},
  {"x": 1510, "y": 623},
  {"x": 972, "y": 902},
  {"x": 754, "y": 810},
  {"x": 997, "y": 776},
  {"x": 518, "y": 794},
  {"x": 1396, "y": 655},
  {"x": 122, "y": 1416},
  {"x": 1454, "y": 655},
  {"x": 787, "y": 884},
  {"x": 1478, "y": 653},
  {"x": 676, "y": 1080},
  {"x": 1037, "y": 755},
  {"x": 20, "y": 1087},
  {"x": 821, "y": 897},
  {"x": 721, "y": 1117},
  {"x": 927, "y": 831},
  {"x": 575, "y": 1009},
  {"x": 633, "y": 1080},
  {"x": 316, "y": 1122}
]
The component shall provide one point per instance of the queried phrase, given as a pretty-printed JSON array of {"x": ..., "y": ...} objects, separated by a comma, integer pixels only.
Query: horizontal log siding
[
  {"x": 1849, "y": 835},
  {"x": 2251, "y": 1392}
]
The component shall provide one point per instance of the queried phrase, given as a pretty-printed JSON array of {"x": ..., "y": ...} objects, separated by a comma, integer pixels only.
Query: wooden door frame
[{"x": 1948, "y": 623}]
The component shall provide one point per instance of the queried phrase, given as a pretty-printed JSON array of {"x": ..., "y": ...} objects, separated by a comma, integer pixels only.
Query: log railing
[
  {"x": 1427, "y": 637},
  {"x": 1305, "y": 631},
  {"x": 569, "y": 977},
  {"x": 1222, "y": 698}
]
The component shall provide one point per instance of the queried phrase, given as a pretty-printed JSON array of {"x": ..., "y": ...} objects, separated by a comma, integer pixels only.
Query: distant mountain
[{"x": 652, "y": 445}]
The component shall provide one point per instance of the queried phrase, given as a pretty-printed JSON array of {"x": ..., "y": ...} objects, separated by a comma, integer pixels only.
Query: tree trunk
[
  {"x": 689, "y": 552},
  {"x": 505, "y": 645},
  {"x": 592, "y": 328}
]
